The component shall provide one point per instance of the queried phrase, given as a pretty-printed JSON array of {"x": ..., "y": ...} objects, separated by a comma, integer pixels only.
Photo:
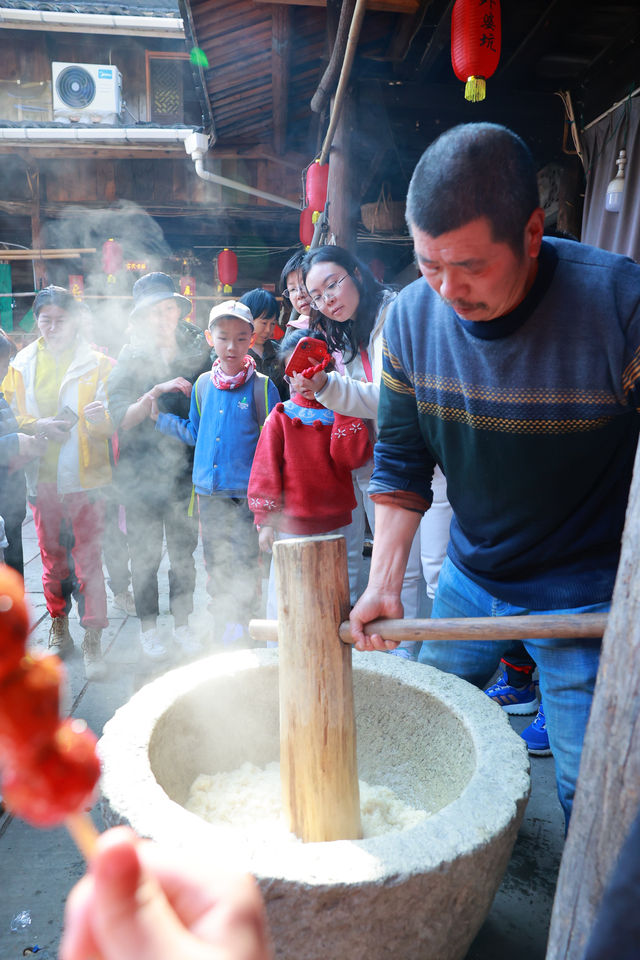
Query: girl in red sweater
[{"x": 300, "y": 483}]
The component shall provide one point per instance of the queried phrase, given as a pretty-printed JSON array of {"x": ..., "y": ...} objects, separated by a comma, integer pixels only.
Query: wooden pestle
[
  {"x": 318, "y": 768},
  {"x": 561, "y": 625}
]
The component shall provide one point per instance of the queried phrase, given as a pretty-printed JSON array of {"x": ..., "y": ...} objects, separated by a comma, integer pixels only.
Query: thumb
[{"x": 132, "y": 917}]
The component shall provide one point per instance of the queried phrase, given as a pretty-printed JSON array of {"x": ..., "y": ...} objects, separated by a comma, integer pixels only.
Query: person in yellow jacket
[{"x": 56, "y": 388}]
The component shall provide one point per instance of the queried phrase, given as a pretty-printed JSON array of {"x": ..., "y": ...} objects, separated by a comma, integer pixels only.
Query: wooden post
[
  {"x": 280, "y": 54},
  {"x": 608, "y": 790},
  {"x": 39, "y": 267},
  {"x": 318, "y": 768},
  {"x": 343, "y": 214}
]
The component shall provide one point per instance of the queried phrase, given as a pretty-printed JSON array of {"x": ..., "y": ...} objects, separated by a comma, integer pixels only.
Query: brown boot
[
  {"x": 60, "y": 640},
  {"x": 94, "y": 666}
]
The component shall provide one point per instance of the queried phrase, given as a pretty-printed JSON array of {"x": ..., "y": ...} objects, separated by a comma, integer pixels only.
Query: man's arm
[
  {"x": 394, "y": 533},
  {"x": 401, "y": 489}
]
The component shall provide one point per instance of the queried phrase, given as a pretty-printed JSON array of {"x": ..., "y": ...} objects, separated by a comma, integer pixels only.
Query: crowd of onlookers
[{"x": 192, "y": 433}]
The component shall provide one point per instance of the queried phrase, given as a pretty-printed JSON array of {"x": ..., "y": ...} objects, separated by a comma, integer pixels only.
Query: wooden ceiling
[{"x": 266, "y": 58}]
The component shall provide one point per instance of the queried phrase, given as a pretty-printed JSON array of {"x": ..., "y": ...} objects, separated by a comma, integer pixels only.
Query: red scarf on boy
[{"x": 224, "y": 382}]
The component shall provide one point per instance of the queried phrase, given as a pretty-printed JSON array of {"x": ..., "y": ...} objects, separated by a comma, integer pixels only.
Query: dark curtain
[{"x": 619, "y": 130}]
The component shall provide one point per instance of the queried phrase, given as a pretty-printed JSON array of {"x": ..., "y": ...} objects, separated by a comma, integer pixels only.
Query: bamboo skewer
[
  {"x": 560, "y": 625},
  {"x": 84, "y": 833}
]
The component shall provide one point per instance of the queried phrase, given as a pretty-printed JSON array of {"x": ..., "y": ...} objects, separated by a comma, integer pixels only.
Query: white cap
[{"x": 231, "y": 308}]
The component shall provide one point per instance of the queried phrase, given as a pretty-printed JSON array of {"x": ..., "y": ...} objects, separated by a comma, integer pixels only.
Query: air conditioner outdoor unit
[{"x": 91, "y": 92}]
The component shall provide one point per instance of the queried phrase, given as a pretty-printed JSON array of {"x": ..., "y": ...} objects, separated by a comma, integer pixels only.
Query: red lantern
[
  {"x": 227, "y": 269},
  {"x": 475, "y": 44},
  {"x": 306, "y": 227},
  {"x": 188, "y": 289},
  {"x": 76, "y": 285},
  {"x": 111, "y": 259},
  {"x": 317, "y": 181}
]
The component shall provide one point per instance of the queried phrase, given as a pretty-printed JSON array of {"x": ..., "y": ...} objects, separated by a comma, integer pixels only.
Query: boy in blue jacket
[{"x": 228, "y": 407}]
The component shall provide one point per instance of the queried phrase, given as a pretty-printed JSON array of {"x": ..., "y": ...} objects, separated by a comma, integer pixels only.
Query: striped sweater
[{"x": 532, "y": 418}]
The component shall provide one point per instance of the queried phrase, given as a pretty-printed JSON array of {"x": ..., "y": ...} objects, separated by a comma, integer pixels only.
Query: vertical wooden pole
[
  {"x": 343, "y": 213},
  {"x": 39, "y": 266},
  {"x": 608, "y": 790},
  {"x": 318, "y": 766},
  {"x": 280, "y": 54}
]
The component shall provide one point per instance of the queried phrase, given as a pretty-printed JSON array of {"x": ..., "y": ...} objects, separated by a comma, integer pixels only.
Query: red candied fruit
[
  {"x": 14, "y": 620},
  {"x": 30, "y": 703},
  {"x": 55, "y": 781}
]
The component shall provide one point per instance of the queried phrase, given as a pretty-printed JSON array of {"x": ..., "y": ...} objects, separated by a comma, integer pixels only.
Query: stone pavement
[{"x": 38, "y": 867}]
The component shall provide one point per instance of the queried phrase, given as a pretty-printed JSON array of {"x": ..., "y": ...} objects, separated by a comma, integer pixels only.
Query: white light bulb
[{"x": 615, "y": 190}]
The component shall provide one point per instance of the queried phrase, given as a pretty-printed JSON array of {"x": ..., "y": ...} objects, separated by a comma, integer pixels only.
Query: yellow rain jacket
[{"x": 84, "y": 461}]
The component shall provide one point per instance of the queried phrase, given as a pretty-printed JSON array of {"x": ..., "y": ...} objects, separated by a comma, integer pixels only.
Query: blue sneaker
[
  {"x": 536, "y": 737},
  {"x": 519, "y": 701}
]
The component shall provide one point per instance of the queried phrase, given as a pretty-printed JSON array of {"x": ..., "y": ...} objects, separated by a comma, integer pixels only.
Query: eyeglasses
[
  {"x": 329, "y": 293},
  {"x": 295, "y": 291}
]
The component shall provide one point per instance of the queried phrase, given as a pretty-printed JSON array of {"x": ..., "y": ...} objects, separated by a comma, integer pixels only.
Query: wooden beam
[
  {"x": 221, "y": 151},
  {"x": 280, "y": 52},
  {"x": 49, "y": 254},
  {"x": 440, "y": 37},
  {"x": 538, "y": 40},
  {"x": 249, "y": 212},
  {"x": 381, "y": 6},
  {"x": 405, "y": 32}
]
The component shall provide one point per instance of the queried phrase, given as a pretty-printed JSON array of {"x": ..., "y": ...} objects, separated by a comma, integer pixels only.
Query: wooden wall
[{"x": 26, "y": 56}]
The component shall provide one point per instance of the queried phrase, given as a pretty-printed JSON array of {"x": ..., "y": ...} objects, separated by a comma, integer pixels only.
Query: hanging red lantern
[
  {"x": 475, "y": 44},
  {"x": 112, "y": 259},
  {"x": 316, "y": 185},
  {"x": 307, "y": 226},
  {"x": 227, "y": 269}
]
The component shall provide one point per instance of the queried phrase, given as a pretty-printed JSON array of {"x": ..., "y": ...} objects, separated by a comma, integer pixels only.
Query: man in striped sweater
[{"x": 514, "y": 364}]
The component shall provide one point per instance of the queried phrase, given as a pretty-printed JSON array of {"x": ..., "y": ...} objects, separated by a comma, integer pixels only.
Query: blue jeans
[{"x": 567, "y": 668}]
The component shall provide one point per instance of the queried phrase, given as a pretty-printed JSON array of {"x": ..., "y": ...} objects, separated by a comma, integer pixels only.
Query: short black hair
[
  {"x": 260, "y": 302},
  {"x": 292, "y": 265},
  {"x": 474, "y": 171},
  {"x": 57, "y": 297}
]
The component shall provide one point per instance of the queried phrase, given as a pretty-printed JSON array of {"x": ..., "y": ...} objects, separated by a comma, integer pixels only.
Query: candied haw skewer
[
  {"x": 14, "y": 620},
  {"x": 44, "y": 786},
  {"x": 50, "y": 767},
  {"x": 30, "y": 703}
]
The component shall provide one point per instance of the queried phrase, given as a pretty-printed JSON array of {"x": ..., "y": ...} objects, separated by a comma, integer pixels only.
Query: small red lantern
[
  {"x": 227, "y": 269},
  {"x": 76, "y": 285},
  {"x": 112, "y": 259},
  {"x": 475, "y": 44},
  {"x": 307, "y": 225},
  {"x": 316, "y": 185}
]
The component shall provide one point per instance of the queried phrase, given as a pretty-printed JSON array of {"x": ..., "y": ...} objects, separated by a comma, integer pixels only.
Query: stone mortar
[{"x": 438, "y": 742}]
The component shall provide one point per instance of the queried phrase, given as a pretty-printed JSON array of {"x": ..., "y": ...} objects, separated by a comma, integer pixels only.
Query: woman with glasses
[
  {"x": 349, "y": 305},
  {"x": 294, "y": 290}
]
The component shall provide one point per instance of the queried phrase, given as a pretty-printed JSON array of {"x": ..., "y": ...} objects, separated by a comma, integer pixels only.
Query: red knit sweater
[{"x": 301, "y": 475}]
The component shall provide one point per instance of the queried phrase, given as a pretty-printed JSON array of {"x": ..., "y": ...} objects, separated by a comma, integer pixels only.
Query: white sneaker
[
  {"x": 186, "y": 641},
  {"x": 152, "y": 646}
]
